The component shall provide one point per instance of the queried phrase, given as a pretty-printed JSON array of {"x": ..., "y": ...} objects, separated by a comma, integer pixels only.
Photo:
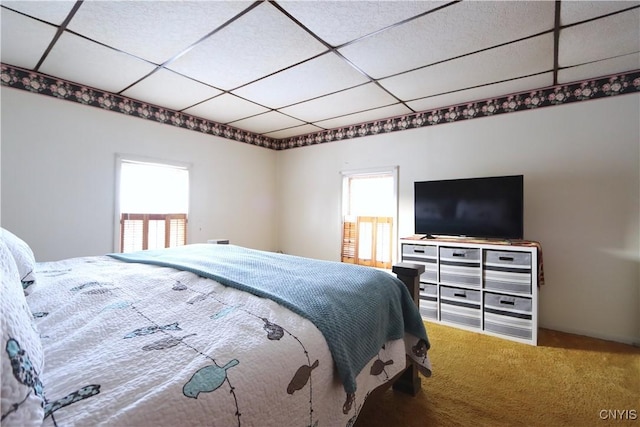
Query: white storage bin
[
  {"x": 460, "y": 266},
  {"x": 460, "y": 306},
  {"x": 425, "y": 255},
  {"x": 429, "y": 301},
  {"x": 507, "y": 271},
  {"x": 508, "y": 315}
]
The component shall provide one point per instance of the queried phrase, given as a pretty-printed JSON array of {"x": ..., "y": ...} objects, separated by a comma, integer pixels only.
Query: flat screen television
[{"x": 489, "y": 207}]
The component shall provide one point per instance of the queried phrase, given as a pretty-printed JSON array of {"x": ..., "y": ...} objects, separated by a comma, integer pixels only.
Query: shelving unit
[{"x": 487, "y": 286}]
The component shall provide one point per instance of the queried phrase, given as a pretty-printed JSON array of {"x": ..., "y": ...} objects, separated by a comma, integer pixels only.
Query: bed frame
[{"x": 408, "y": 380}]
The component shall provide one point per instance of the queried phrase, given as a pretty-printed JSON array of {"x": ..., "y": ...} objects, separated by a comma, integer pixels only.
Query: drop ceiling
[{"x": 281, "y": 69}]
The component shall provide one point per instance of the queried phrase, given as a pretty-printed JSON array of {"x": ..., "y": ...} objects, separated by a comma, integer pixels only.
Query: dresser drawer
[
  {"x": 460, "y": 306},
  {"x": 507, "y": 271},
  {"x": 470, "y": 255},
  {"x": 460, "y": 266},
  {"x": 508, "y": 315},
  {"x": 420, "y": 250},
  {"x": 429, "y": 301},
  {"x": 423, "y": 254},
  {"x": 510, "y": 259}
]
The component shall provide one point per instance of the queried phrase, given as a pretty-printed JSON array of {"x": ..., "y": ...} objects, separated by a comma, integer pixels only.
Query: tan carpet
[{"x": 478, "y": 380}]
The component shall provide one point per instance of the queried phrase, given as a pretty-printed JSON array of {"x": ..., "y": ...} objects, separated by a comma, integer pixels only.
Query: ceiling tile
[
  {"x": 346, "y": 102},
  {"x": 54, "y": 12},
  {"x": 170, "y": 90},
  {"x": 267, "y": 122},
  {"x": 342, "y": 21},
  {"x": 325, "y": 74},
  {"x": 261, "y": 42},
  {"x": 456, "y": 30},
  {"x": 604, "y": 38},
  {"x": 81, "y": 61},
  {"x": 366, "y": 116},
  {"x": 24, "y": 40},
  {"x": 152, "y": 30},
  {"x": 484, "y": 92},
  {"x": 291, "y": 132},
  {"x": 577, "y": 11},
  {"x": 490, "y": 66},
  {"x": 225, "y": 108},
  {"x": 600, "y": 68},
  {"x": 282, "y": 81}
]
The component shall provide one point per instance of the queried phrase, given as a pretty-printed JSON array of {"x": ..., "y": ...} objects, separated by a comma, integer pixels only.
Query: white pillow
[
  {"x": 22, "y": 393},
  {"x": 23, "y": 255}
]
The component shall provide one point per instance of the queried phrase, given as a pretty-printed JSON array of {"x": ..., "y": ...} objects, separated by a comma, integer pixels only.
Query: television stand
[{"x": 482, "y": 285}]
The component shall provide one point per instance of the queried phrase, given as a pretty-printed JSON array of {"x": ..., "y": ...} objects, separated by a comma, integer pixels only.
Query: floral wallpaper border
[
  {"x": 556, "y": 95},
  {"x": 618, "y": 84},
  {"x": 46, "y": 85}
]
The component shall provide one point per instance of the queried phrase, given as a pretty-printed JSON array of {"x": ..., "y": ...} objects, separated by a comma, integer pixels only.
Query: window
[
  {"x": 369, "y": 211},
  {"x": 153, "y": 203}
]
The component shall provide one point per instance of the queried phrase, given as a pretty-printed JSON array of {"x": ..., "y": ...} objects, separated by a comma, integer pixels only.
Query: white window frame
[
  {"x": 390, "y": 170},
  {"x": 119, "y": 159}
]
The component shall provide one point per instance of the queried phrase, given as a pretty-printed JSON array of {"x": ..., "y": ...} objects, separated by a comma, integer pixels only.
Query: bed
[{"x": 203, "y": 334}]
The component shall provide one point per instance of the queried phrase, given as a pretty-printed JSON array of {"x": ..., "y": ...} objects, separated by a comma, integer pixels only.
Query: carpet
[{"x": 480, "y": 380}]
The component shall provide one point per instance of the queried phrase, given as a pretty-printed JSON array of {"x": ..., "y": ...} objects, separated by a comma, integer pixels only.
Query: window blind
[
  {"x": 367, "y": 240},
  {"x": 139, "y": 231}
]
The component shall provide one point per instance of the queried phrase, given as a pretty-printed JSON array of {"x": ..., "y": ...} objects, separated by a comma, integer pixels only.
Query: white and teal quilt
[{"x": 132, "y": 344}]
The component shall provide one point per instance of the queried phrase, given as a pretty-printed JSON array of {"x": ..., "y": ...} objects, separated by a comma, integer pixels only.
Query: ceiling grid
[{"x": 290, "y": 73}]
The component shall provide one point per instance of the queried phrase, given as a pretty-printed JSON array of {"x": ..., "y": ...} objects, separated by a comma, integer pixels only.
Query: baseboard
[{"x": 607, "y": 337}]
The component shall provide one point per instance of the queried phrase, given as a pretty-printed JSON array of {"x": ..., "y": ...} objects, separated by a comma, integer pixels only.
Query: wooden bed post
[{"x": 409, "y": 273}]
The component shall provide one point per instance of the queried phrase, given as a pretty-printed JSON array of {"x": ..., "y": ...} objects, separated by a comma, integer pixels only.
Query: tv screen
[{"x": 490, "y": 207}]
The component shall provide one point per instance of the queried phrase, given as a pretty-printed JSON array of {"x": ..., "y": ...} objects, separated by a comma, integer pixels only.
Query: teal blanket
[{"x": 356, "y": 308}]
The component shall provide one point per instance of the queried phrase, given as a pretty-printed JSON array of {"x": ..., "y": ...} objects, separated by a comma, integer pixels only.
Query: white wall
[
  {"x": 58, "y": 177},
  {"x": 581, "y": 166}
]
